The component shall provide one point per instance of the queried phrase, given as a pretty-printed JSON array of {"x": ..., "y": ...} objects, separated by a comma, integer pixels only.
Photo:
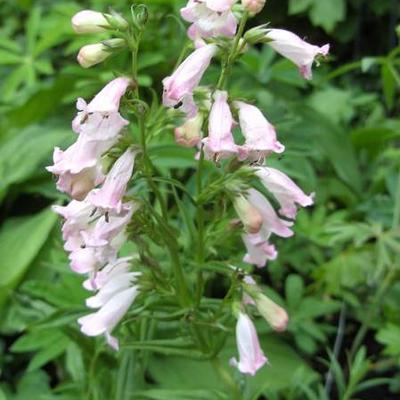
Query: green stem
[
  {"x": 233, "y": 53},
  {"x": 200, "y": 229},
  {"x": 227, "y": 379}
]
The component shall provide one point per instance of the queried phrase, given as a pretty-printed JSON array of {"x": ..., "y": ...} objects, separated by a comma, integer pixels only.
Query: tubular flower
[
  {"x": 271, "y": 222},
  {"x": 284, "y": 190},
  {"x": 109, "y": 315},
  {"x": 88, "y": 21},
  {"x": 220, "y": 143},
  {"x": 109, "y": 196},
  {"x": 298, "y": 51},
  {"x": 209, "y": 18},
  {"x": 259, "y": 250},
  {"x": 251, "y": 356},
  {"x": 178, "y": 88},
  {"x": 260, "y": 135},
  {"x": 99, "y": 123}
]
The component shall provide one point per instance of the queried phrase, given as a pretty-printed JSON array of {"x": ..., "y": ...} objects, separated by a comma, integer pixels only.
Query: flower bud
[
  {"x": 257, "y": 35},
  {"x": 253, "y": 6},
  {"x": 275, "y": 315},
  {"x": 249, "y": 215},
  {"x": 93, "y": 54},
  {"x": 88, "y": 21},
  {"x": 189, "y": 134}
]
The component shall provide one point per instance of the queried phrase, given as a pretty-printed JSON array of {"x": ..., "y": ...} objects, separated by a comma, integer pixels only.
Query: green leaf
[
  {"x": 294, "y": 289},
  {"x": 22, "y": 154},
  {"x": 390, "y": 337},
  {"x": 20, "y": 241},
  {"x": 163, "y": 394},
  {"x": 298, "y": 6},
  {"x": 389, "y": 85},
  {"x": 327, "y": 13}
]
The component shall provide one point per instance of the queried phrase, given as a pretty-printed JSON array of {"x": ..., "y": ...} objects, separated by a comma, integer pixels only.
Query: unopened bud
[
  {"x": 88, "y": 21},
  {"x": 257, "y": 34},
  {"x": 275, "y": 315},
  {"x": 189, "y": 134},
  {"x": 249, "y": 215},
  {"x": 93, "y": 54},
  {"x": 253, "y": 6}
]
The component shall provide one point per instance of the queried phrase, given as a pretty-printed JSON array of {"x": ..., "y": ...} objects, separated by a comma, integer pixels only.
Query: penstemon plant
[{"x": 122, "y": 226}]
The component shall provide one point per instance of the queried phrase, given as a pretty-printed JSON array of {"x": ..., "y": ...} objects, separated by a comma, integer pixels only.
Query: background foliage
[{"x": 338, "y": 277}]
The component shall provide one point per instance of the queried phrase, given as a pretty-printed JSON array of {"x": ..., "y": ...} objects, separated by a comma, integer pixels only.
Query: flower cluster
[
  {"x": 96, "y": 219},
  {"x": 210, "y": 20}
]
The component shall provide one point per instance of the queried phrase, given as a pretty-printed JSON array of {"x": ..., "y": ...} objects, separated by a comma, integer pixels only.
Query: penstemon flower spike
[{"x": 109, "y": 207}]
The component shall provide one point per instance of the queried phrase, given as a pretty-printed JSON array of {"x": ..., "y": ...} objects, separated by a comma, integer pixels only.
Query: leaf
[
  {"x": 163, "y": 394},
  {"x": 294, "y": 289},
  {"x": 298, "y": 6},
  {"x": 332, "y": 139},
  {"x": 20, "y": 241},
  {"x": 389, "y": 85},
  {"x": 22, "y": 154},
  {"x": 178, "y": 373},
  {"x": 328, "y": 13},
  {"x": 390, "y": 337}
]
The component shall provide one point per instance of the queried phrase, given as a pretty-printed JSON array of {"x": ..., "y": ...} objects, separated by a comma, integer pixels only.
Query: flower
[
  {"x": 88, "y": 21},
  {"x": 298, "y": 51},
  {"x": 253, "y": 6},
  {"x": 189, "y": 134},
  {"x": 178, "y": 88},
  {"x": 109, "y": 196},
  {"x": 93, "y": 54},
  {"x": 251, "y": 356},
  {"x": 220, "y": 143},
  {"x": 259, "y": 133},
  {"x": 109, "y": 315},
  {"x": 259, "y": 250},
  {"x": 271, "y": 222},
  {"x": 98, "y": 123},
  {"x": 209, "y": 18},
  {"x": 284, "y": 190}
]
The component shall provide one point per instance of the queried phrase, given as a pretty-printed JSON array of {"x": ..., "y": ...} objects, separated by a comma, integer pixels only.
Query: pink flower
[
  {"x": 296, "y": 50},
  {"x": 114, "y": 284},
  {"x": 259, "y": 133},
  {"x": 109, "y": 196},
  {"x": 87, "y": 260},
  {"x": 98, "y": 124},
  {"x": 109, "y": 315},
  {"x": 209, "y": 18},
  {"x": 259, "y": 250},
  {"x": 284, "y": 190},
  {"x": 220, "y": 143},
  {"x": 189, "y": 134},
  {"x": 178, "y": 88},
  {"x": 271, "y": 222},
  {"x": 108, "y": 227},
  {"x": 251, "y": 356},
  {"x": 99, "y": 278},
  {"x": 78, "y": 172},
  {"x": 106, "y": 102}
]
